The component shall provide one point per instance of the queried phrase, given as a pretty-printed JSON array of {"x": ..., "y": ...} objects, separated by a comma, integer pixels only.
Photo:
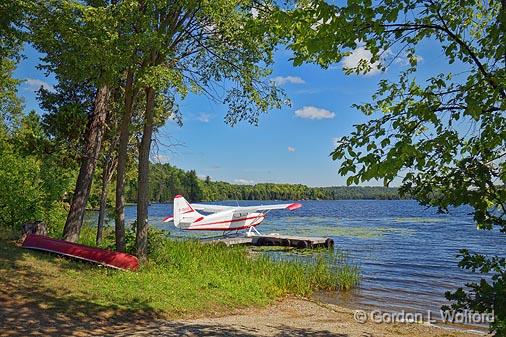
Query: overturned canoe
[{"x": 104, "y": 257}]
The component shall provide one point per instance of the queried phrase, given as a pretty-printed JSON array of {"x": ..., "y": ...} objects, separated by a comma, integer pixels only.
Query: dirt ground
[
  {"x": 291, "y": 317},
  {"x": 298, "y": 317}
]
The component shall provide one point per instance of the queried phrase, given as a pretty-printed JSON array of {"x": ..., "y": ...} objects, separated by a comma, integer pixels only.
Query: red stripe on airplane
[
  {"x": 180, "y": 196},
  {"x": 220, "y": 228},
  {"x": 296, "y": 205},
  {"x": 230, "y": 221}
]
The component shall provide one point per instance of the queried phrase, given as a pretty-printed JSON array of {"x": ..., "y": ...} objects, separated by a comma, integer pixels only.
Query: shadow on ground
[{"x": 28, "y": 308}]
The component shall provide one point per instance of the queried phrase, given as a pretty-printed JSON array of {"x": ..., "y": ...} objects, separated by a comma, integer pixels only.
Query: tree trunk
[
  {"x": 103, "y": 205},
  {"x": 119, "y": 219},
  {"x": 94, "y": 134},
  {"x": 106, "y": 179},
  {"x": 141, "y": 239}
]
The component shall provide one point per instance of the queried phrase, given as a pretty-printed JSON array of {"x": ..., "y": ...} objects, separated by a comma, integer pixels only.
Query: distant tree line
[{"x": 166, "y": 181}]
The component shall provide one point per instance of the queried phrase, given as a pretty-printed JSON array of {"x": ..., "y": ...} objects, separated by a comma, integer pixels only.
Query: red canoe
[{"x": 104, "y": 257}]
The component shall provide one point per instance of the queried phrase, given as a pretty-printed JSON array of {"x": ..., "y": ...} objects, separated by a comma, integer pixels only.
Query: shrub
[
  {"x": 32, "y": 182},
  {"x": 20, "y": 188}
]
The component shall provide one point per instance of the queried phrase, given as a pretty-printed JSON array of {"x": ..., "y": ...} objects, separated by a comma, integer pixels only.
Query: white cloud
[
  {"x": 244, "y": 182},
  {"x": 360, "y": 53},
  {"x": 291, "y": 149},
  {"x": 35, "y": 84},
  {"x": 204, "y": 117},
  {"x": 282, "y": 80},
  {"x": 254, "y": 12},
  {"x": 403, "y": 60},
  {"x": 386, "y": 56},
  {"x": 335, "y": 141},
  {"x": 312, "y": 112}
]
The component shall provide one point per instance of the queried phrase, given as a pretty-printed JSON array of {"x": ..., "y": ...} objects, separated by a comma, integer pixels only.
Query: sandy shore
[
  {"x": 297, "y": 317},
  {"x": 291, "y": 317}
]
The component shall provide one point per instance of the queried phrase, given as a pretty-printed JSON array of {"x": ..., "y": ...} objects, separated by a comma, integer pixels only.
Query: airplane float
[{"x": 222, "y": 218}]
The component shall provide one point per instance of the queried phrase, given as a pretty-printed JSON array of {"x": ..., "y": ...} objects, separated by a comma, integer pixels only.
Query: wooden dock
[{"x": 275, "y": 240}]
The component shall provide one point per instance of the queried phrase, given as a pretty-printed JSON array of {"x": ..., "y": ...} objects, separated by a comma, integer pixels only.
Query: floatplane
[{"x": 222, "y": 218}]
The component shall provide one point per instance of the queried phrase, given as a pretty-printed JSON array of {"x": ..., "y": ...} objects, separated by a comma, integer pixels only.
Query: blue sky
[{"x": 290, "y": 145}]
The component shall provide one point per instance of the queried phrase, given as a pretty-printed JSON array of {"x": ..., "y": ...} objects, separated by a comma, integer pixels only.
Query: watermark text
[{"x": 430, "y": 317}]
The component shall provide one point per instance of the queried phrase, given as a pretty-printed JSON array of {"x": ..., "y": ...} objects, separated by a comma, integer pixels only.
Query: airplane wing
[
  {"x": 238, "y": 209},
  {"x": 220, "y": 208},
  {"x": 289, "y": 207},
  {"x": 212, "y": 208}
]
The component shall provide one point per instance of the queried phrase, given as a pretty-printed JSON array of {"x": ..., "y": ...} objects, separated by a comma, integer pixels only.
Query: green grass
[
  {"x": 344, "y": 276},
  {"x": 347, "y": 276},
  {"x": 181, "y": 278}
]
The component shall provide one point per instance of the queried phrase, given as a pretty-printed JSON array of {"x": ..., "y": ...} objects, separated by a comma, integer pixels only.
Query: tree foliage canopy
[
  {"x": 443, "y": 137},
  {"x": 215, "y": 48},
  {"x": 11, "y": 39}
]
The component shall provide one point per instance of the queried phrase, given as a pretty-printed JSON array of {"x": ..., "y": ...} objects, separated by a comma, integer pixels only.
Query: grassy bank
[{"x": 182, "y": 278}]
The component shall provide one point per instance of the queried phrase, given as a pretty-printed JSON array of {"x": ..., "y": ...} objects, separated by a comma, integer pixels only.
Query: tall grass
[
  {"x": 226, "y": 264},
  {"x": 187, "y": 277}
]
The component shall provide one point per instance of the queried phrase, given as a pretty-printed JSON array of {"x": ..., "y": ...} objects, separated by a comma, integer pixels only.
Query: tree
[
  {"x": 33, "y": 178},
  {"x": 67, "y": 108},
  {"x": 109, "y": 162},
  {"x": 20, "y": 186},
  {"x": 192, "y": 46},
  {"x": 11, "y": 40},
  {"x": 80, "y": 45},
  {"x": 446, "y": 136},
  {"x": 130, "y": 25},
  {"x": 10, "y": 104},
  {"x": 124, "y": 135}
]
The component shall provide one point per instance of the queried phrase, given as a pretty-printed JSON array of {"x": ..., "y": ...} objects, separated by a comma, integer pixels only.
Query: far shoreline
[{"x": 169, "y": 202}]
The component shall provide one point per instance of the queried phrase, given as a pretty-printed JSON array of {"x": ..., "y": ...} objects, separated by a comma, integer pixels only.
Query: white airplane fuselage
[{"x": 223, "y": 221}]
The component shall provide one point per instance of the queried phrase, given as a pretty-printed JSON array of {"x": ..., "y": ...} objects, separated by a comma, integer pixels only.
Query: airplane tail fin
[{"x": 184, "y": 212}]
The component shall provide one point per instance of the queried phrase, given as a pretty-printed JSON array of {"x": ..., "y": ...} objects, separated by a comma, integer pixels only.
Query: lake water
[{"x": 406, "y": 252}]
